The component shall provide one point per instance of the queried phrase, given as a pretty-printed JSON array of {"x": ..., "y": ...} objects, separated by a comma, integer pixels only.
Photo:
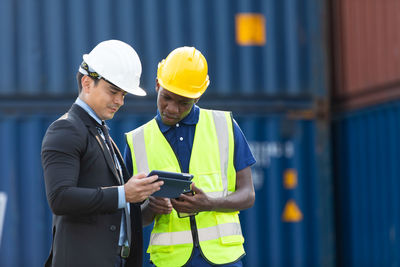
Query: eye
[
  {"x": 185, "y": 104},
  {"x": 166, "y": 97}
]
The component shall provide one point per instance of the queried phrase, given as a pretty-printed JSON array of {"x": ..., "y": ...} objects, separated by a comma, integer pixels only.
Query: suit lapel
[
  {"x": 125, "y": 172},
  {"x": 91, "y": 125},
  {"x": 93, "y": 130}
]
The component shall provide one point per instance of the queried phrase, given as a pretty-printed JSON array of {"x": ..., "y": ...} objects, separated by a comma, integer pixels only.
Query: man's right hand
[{"x": 139, "y": 187}]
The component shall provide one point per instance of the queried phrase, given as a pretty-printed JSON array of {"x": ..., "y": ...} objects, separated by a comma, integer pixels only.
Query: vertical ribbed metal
[
  {"x": 41, "y": 47},
  {"x": 27, "y": 225},
  {"x": 8, "y": 48},
  {"x": 43, "y": 42},
  {"x": 278, "y": 144},
  {"x": 367, "y": 182},
  {"x": 367, "y": 58}
]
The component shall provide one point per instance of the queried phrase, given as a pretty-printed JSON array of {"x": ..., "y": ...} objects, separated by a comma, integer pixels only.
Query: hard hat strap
[{"x": 86, "y": 70}]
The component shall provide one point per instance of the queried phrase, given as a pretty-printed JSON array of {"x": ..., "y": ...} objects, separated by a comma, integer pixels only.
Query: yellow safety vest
[{"x": 211, "y": 163}]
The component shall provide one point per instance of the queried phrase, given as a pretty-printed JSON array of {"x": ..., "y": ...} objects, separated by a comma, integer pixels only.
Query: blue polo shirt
[{"x": 180, "y": 136}]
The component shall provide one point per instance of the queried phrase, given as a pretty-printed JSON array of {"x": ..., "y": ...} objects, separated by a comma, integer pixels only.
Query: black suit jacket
[{"x": 81, "y": 190}]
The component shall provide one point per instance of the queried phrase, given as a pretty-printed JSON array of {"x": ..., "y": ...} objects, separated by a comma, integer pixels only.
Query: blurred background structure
[{"x": 314, "y": 85}]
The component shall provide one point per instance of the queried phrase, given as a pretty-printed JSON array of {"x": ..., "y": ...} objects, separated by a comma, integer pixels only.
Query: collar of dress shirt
[
  {"x": 88, "y": 109},
  {"x": 191, "y": 119}
]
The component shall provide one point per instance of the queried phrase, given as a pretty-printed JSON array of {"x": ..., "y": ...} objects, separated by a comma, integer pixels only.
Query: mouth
[
  {"x": 169, "y": 118},
  {"x": 113, "y": 109}
]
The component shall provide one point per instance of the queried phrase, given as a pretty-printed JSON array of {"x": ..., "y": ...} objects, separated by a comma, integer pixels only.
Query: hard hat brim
[
  {"x": 180, "y": 91},
  {"x": 137, "y": 91}
]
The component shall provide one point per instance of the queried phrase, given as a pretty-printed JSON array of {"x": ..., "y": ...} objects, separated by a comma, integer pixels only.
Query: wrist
[{"x": 212, "y": 203}]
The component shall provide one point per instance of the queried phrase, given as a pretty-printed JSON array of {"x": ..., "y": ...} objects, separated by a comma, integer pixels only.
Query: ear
[
  {"x": 157, "y": 85},
  {"x": 86, "y": 82}
]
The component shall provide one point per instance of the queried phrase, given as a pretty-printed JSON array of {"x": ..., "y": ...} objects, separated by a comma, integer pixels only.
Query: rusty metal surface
[{"x": 366, "y": 52}]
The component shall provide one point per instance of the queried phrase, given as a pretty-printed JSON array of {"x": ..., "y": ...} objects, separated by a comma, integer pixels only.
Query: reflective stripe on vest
[
  {"x": 205, "y": 234},
  {"x": 140, "y": 150},
  {"x": 217, "y": 194},
  {"x": 223, "y": 142}
]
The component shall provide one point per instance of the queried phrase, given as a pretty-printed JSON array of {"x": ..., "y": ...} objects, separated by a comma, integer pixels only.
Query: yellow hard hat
[{"x": 184, "y": 72}]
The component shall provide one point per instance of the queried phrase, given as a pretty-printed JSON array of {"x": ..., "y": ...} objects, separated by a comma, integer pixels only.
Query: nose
[
  {"x": 119, "y": 99},
  {"x": 172, "y": 108}
]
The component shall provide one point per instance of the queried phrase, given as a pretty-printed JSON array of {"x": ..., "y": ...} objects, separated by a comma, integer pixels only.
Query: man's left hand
[{"x": 192, "y": 203}]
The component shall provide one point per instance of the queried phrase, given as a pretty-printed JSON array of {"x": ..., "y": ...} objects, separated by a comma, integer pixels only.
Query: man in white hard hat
[{"x": 96, "y": 204}]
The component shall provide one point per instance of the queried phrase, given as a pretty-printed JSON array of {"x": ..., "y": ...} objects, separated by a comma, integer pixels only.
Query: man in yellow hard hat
[{"x": 203, "y": 228}]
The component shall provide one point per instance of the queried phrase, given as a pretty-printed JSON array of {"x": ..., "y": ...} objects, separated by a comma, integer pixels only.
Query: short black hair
[{"x": 79, "y": 79}]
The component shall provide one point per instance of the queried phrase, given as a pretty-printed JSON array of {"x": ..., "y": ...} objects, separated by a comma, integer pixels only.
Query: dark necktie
[
  {"x": 107, "y": 139},
  {"x": 106, "y": 134}
]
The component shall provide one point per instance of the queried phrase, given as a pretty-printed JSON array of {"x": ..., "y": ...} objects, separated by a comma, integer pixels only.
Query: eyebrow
[{"x": 164, "y": 94}]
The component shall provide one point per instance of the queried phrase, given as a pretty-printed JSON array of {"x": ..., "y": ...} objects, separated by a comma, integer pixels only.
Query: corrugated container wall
[
  {"x": 26, "y": 234},
  {"x": 42, "y": 42},
  {"x": 367, "y": 181},
  {"x": 276, "y": 87},
  {"x": 366, "y": 127},
  {"x": 367, "y": 41},
  {"x": 289, "y": 225}
]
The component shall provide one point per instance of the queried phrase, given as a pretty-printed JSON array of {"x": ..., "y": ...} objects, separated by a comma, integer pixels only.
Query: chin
[
  {"x": 108, "y": 117},
  {"x": 168, "y": 123}
]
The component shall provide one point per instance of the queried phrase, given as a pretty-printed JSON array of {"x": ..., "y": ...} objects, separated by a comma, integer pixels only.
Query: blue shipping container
[
  {"x": 276, "y": 233},
  {"x": 367, "y": 153},
  {"x": 42, "y": 42}
]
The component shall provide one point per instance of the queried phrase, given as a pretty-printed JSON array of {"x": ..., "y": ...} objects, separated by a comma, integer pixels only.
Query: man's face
[
  {"x": 104, "y": 98},
  {"x": 172, "y": 107}
]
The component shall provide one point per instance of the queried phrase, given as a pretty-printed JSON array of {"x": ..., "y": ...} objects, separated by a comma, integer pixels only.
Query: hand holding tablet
[{"x": 175, "y": 183}]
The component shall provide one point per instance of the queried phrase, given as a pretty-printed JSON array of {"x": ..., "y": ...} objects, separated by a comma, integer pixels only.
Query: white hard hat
[{"x": 116, "y": 62}]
